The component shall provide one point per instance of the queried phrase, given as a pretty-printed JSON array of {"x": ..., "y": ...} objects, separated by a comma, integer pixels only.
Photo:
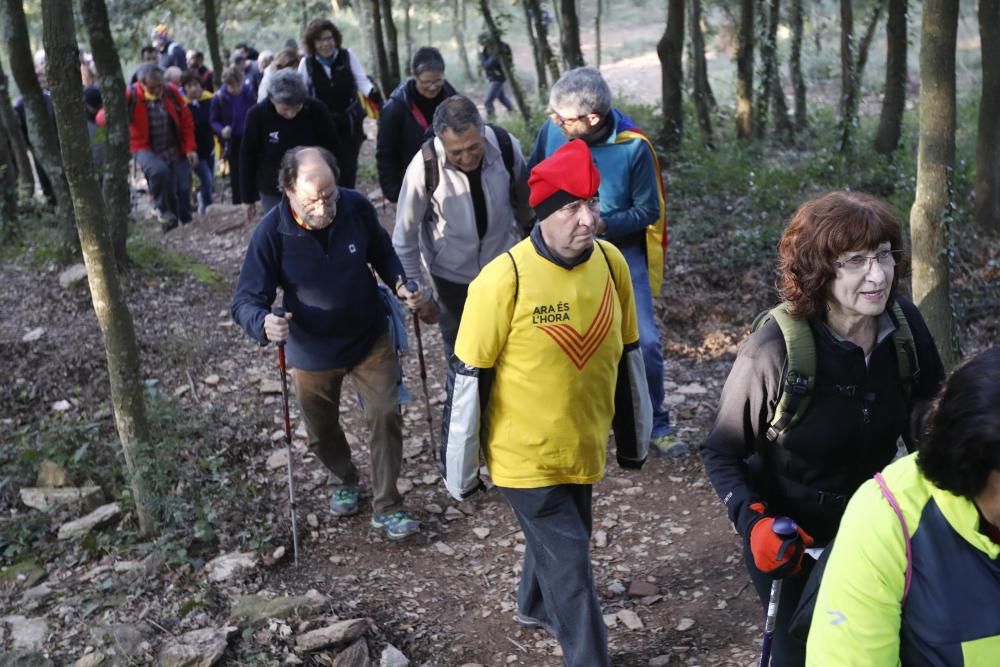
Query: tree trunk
[
  {"x": 19, "y": 148},
  {"x": 362, "y": 9},
  {"x": 988, "y": 142},
  {"x": 116, "y": 153},
  {"x": 670, "y": 50},
  {"x": 391, "y": 46},
  {"x": 702, "y": 89},
  {"x": 848, "y": 77},
  {"x": 381, "y": 56},
  {"x": 932, "y": 206},
  {"x": 543, "y": 39},
  {"x": 506, "y": 64},
  {"x": 463, "y": 53},
  {"x": 767, "y": 43},
  {"x": 572, "y": 54},
  {"x": 866, "y": 40},
  {"x": 795, "y": 66},
  {"x": 109, "y": 303},
  {"x": 429, "y": 24},
  {"x": 408, "y": 33},
  {"x": 779, "y": 107},
  {"x": 542, "y": 86},
  {"x": 744, "y": 72},
  {"x": 212, "y": 37},
  {"x": 41, "y": 128},
  {"x": 597, "y": 31},
  {"x": 890, "y": 124}
]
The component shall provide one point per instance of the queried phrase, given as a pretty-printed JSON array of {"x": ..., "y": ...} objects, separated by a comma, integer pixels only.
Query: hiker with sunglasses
[{"x": 820, "y": 392}]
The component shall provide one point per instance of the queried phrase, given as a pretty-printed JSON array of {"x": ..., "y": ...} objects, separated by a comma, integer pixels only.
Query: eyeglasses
[
  {"x": 861, "y": 263},
  {"x": 326, "y": 38},
  {"x": 330, "y": 200},
  {"x": 562, "y": 120},
  {"x": 430, "y": 83}
]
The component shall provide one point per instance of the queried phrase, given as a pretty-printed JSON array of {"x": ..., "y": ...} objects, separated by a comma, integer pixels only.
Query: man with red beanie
[{"x": 547, "y": 359}]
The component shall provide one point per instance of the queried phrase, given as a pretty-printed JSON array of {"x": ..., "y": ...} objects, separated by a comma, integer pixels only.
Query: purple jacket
[{"x": 231, "y": 110}]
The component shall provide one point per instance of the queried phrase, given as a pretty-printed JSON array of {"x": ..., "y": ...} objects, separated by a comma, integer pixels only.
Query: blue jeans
[
  {"x": 557, "y": 582},
  {"x": 496, "y": 92},
  {"x": 205, "y": 170},
  {"x": 649, "y": 336}
]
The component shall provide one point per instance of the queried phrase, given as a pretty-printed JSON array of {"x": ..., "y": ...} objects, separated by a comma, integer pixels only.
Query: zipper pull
[{"x": 866, "y": 414}]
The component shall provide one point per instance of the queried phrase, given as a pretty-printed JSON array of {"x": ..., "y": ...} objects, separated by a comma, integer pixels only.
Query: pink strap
[{"x": 906, "y": 533}]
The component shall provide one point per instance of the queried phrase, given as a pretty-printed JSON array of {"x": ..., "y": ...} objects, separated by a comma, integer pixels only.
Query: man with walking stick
[{"x": 317, "y": 245}]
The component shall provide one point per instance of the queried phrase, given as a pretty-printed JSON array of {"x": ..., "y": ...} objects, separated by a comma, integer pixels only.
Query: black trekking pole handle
[{"x": 278, "y": 311}]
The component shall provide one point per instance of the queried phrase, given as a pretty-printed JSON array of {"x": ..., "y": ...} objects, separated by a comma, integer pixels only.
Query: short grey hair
[
  {"x": 579, "y": 92},
  {"x": 149, "y": 71},
  {"x": 287, "y": 88},
  {"x": 457, "y": 113},
  {"x": 427, "y": 59},
  {"x": 288, "y": 171}
]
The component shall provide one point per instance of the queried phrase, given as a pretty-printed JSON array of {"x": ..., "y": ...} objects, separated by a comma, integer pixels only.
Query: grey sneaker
[
  {"x": 344, "y": 501},
  {"x": 668, "y": 447},
  {"x": 396, "y": 525}
]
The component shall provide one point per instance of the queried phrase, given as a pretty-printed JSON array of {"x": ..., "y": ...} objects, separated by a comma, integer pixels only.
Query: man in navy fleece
[{"x": 316, "y": 244}]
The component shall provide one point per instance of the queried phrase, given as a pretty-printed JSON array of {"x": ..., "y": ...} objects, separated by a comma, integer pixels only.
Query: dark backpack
[
  {"x": 800, "y": 364},
  {"x": 432, "y": 176}
]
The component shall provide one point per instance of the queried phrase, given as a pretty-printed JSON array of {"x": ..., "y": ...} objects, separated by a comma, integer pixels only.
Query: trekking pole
[
  {"x": 784, "y": 528},
  {"x": 280, "y": 312},
  {"x": 411, "y": 285}
]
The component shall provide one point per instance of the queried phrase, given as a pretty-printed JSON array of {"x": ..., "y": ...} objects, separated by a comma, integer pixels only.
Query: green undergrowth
[{"x": 146, "y": 254}]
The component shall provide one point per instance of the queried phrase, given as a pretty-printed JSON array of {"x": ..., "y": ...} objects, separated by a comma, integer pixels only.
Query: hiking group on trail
[{"x": 542, "y": 275}]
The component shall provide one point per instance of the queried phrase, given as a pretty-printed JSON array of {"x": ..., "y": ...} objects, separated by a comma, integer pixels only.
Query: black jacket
[
  {"x": 400, "y": 135},
  {"x": 204, "y": 138},
  {"x": 489, "y": 61},
  {"x": 847, "y": 434},
  {"x": 267, "y": 136}
]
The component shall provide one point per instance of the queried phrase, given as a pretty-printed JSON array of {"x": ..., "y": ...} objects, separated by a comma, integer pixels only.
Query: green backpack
[{"x": 800, "y": 364}]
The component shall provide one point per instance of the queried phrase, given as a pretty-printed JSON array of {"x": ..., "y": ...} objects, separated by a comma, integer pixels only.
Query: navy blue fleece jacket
[{"x": 336, "y": 312}]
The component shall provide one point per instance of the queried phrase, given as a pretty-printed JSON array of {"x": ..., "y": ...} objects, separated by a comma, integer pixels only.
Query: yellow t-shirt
[{"x": 555, "y": 349}]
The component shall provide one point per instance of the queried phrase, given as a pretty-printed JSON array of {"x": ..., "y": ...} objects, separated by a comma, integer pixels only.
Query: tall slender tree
[
  {"x": 536, "y": 54},
  {"x": 95, "y": 240},
  {"x": 210, "y": 16},
  {"x": 779, "y": 107},
  {"x": 704, "y": 100},
  {"x": 988, "y": 142},
  {"x": 41, "y": 128},
  {"x": 19, "y": 148},
  {"x": 744, "y": 72},
  {"x": 381, "y": 53},
  {"x": 795, "y": 66},
  {"x": 570, "y": 35},
  {"x": 541, "y": 29},
  {"x": 463, "y": 53},
  {"x": 597, "y": 31},
  {"x": 848, "y": 76},
  {"x": 505, "y": 63},
  {"x": 116, "y": 154},
  {"x": 408, "y": 30},
  {"x": 890, "y": 124},
  {"x": 933, "y": 205},
  {"x": 864, "y": 46},
  {"x": 670, "y": 51},
  {"x": 391, "y": 45}
]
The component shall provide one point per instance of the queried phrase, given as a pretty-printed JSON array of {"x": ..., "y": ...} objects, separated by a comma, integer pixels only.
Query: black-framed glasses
[
  {"x": 561, "y": 120},
  {"x": 862, "y": 263}
]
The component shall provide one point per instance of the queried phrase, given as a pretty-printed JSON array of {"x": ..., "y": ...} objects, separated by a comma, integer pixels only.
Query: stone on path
[
  {"x": 33, "y": 335},
  {"x": 197, "y": 648},
  {"x": 27, "y": 634},
  {"x": 630, "y": 619},
  {"x": 339, "y": 633},
  {"x": 99, "y": 518},
  {"x": 95, "y": 659},
  {"x": 227, "y": 566},
  {"x": 252, "y": 610},
  {"x": 45, "y": 499},
  {"x": 685, "y": 624},
  {"x": 72, "y": 275},
  {"x": 51, "y": 474},
  {"x": 355, "y": 655},
  {"x": 642, "y": 589},
  {"x": 393, "y": 657}
]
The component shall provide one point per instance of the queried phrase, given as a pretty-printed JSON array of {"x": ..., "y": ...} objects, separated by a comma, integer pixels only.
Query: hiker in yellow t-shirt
[{"x": 547, "y": 358}]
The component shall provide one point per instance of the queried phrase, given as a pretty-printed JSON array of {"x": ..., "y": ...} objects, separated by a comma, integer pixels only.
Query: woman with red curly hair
[{"x": 839, "y": 264}]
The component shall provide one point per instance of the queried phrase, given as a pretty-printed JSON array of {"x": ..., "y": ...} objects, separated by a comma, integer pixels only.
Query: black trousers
[
  {"x": 451, "y": 300},
  {"x": 233, "y": 157},
  {"x": 557, "y": 582}
]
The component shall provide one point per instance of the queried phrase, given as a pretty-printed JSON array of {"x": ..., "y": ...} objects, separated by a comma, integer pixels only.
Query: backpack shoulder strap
[
  {"x": 431, "y": 174},
  {"x": 600, "y": 244},
  {"x": 800, "y": 369},
  {"x": 133, "y": 99},
  {"x": 517, "y": 280},
  {"x": 507, "y": 153},
  {"x": 906, "y": 353},
  {"x": 891, "y": 499}
]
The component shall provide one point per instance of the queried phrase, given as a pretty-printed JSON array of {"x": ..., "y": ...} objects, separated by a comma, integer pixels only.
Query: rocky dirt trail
[{"x": 665, "y": 559}]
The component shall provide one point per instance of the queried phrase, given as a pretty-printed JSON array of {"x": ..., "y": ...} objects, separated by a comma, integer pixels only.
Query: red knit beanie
[{"x": 564, "y": 177}]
